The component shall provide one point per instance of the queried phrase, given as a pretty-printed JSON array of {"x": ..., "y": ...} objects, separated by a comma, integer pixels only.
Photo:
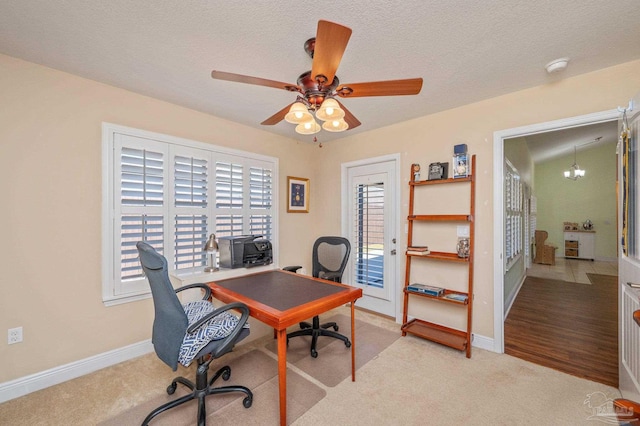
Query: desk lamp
[{"x": 211, "y": 247}]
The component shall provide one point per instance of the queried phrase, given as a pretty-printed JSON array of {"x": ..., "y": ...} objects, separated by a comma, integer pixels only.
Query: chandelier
[
  {"x": 574, "y": 172},
  {"x": 329, "y": 112}
]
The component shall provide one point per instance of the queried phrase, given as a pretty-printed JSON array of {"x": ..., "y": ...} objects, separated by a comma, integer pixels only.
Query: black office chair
[
  {"x": 330, "y": 257},
  {"x": 194, "y": 331}
]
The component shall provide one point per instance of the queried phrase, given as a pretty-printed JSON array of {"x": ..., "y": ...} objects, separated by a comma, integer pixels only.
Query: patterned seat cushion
[{"x": 216, "y": 328}]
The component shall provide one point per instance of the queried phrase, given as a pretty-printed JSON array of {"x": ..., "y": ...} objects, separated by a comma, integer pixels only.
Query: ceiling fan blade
[
  {"x": 277, "y": 117},
  {"x": 411, "y": 86},
  {"x": 351, "y": 120},
  {"x": 239, "y": 78},
  {"x": 331, "y": 42}
]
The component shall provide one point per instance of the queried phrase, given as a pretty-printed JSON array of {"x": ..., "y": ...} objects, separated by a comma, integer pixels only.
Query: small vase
[{"x": 463, "y": 247}]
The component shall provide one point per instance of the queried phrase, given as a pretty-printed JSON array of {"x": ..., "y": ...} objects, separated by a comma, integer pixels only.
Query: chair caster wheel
[
  {"x": 335, "y": 327},
  {"x": 314, "y": 353},
  {"x": 347, "y": 344},
  {"x": 171, "y": 388},
  {"x": 247, "y": 402}
]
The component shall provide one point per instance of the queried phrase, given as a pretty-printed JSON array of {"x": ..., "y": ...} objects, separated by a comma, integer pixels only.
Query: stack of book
[
  {"x": 426, "y": 289},
  {"x": 457, "y": 297},
  {"x": 419, "y": 250}
]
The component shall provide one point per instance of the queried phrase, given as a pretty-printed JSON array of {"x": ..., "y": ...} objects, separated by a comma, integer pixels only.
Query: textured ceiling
[{"x": 465, "y": 50}]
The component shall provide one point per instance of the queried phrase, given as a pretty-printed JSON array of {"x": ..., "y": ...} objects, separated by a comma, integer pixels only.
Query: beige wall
[
  {"x": 431, "y": 138},
  {"x": 591, "y": 197},
  {"x": 50, "y": 220},
  {"x": 50, "y": 124}
]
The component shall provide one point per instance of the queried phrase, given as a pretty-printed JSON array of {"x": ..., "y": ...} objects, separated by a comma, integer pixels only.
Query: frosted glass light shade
[
  {"x": 298, "y": 113},
  {"x": 308, "y": 127},
  {"x": 329, "y": 110},
  {"x": 335, "y": 125}
]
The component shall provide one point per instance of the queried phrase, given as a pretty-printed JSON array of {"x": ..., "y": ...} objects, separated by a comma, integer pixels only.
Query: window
[
  {"x": 514, "y": 215},
  {"x": 172, "y": 193}
]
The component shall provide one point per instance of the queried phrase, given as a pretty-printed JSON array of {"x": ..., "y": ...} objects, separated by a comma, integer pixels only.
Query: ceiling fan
[{"x": 321, "y": 84}]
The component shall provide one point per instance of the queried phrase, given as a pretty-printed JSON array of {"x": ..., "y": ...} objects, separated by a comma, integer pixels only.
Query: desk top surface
[{"x": 282, "y": 290}]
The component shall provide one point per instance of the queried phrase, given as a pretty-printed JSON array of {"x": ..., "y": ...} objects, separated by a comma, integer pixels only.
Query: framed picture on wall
[{"x": 297, "y": 195}]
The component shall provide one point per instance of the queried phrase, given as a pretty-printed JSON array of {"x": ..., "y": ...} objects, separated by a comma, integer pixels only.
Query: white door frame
[
  {"x": 498, "y": 202},
  {"x": 396, "y": 226}
]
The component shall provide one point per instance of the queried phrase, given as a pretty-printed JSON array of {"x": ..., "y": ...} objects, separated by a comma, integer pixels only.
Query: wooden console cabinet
[{"x": 580, "y": 245}]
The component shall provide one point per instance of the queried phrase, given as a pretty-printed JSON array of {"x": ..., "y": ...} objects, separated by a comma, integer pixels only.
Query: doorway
[
  {"x": 498, "y": 206},
  {"x": 370, "y": 206}
]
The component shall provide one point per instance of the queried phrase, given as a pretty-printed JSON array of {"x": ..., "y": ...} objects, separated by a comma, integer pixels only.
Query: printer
[{"x": 244, "y": 251}]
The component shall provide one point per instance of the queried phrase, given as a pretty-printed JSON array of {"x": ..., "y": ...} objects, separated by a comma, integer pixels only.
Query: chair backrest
[
  {"x": 330, "y": 257},
  {"x": 170, "y": 322}
]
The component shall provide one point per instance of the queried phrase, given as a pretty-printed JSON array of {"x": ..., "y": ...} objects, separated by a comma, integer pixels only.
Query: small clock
[{"x": 438, "y": 171}]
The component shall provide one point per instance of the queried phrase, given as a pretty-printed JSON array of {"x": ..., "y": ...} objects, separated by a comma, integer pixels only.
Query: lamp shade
[
  {"x": 298, "y": 113},
  {"x": 335, "y": 125},
  {"x": 329, "y": 110},
  {"x": 308, "y": 128}
]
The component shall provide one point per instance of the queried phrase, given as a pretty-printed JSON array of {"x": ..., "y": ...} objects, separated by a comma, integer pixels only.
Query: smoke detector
[{"x": 557, "y": 65}]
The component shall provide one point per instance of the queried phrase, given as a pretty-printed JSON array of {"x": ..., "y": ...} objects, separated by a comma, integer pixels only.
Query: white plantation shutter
[
  {"x": 140, "y": 208},
  {"x": 261, "y": 201},
  {"x": 134, "y": 228},
  {"x": 229, "y": 198},
  {"x": 369, "y": 238},
  {"x": 190, "y": 183},
  {"x": 172, "y": 193}
]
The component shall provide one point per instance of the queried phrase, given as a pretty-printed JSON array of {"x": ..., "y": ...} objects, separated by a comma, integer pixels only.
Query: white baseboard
[
  {"x": 512, "y": 298},
  {"x": 34, "y": 382},
  {"x": 483, "y": 342}
]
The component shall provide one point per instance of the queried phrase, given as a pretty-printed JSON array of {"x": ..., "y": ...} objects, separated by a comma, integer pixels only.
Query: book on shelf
[
  {"x": 426, "y": 289},
  {"x": 419, "y": 250},
  {"x": 456, "y": 296}
]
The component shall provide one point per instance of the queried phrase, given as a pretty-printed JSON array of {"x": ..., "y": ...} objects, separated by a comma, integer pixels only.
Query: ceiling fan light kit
[
  {"x": 318, "y": 87},
  {"x": 335, "y": 125},
  {"x": 329, "y": 110},
  {"x": 298, "y": 113},
  {"x": 308, "y": 128}
]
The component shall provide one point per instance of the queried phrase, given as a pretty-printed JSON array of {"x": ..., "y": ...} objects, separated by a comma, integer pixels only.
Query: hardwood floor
[{"x": 567, "y": 326}]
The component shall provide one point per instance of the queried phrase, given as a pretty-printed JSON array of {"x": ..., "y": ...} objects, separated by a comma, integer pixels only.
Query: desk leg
[
  {"x": 282, "y": 374},
  {"x": 353, "y": 341}
]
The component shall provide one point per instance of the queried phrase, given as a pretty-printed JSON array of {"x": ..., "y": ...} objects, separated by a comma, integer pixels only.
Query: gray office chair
[
  {"x": 194, "y": 331},
  {"x": 330, "y": 257}
]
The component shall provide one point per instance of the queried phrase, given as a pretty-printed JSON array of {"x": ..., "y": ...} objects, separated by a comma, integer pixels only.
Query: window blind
[{"x": 369, "y": 237}]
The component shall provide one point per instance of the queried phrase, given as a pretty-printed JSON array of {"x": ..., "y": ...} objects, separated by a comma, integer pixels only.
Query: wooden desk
[{"x": 281, "y": 299}]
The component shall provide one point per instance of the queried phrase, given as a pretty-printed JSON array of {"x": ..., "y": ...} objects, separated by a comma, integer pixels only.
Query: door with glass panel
[{"x": 370, "y": 195}]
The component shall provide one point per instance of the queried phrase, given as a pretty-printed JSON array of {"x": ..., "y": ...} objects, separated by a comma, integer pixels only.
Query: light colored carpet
[
  {"x": 333, "y": 363},
  {"x": 411, "y": 382},
  {"x": 255, "y": 370}
]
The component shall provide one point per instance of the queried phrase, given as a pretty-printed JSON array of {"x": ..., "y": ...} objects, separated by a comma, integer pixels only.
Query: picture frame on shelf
[
  {"x": 460, "y": 166},
  {"x": 297, "y": 195}
]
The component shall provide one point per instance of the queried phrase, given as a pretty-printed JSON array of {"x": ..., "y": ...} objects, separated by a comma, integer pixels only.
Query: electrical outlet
[
  {"x": 463, "y": 231},
  {"x": 15, "y": 335}
]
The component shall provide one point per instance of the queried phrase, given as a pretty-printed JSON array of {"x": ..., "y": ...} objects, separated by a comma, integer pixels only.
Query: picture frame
[
  {"x": 297, "y": 195},
  {"x": 460, "y": 166}
]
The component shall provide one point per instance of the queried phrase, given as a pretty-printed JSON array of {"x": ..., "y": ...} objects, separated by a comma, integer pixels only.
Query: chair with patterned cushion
[
  {"x": 330, "y": 257},
  {"x": 196, "y": 330}
]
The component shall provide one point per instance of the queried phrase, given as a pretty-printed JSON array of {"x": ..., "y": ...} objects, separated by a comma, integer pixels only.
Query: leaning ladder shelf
[{"x": 457, "y": 339}]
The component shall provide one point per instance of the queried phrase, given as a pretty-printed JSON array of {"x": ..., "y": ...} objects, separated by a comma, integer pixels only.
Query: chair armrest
[
  {"x": 206, "y": 288},
  {"x": 231, "y": 338},
  {"x": 291, "y": 268}
]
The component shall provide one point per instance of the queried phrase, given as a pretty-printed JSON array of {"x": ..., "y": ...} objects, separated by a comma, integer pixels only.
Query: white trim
[
  {"x": 397, "y": 159},
  {"x": 498, "y": 202},
  {"x": 44, "y": 379},
  {"x": 512, "y": 297},
  {"x": 482, "y": 342}
]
